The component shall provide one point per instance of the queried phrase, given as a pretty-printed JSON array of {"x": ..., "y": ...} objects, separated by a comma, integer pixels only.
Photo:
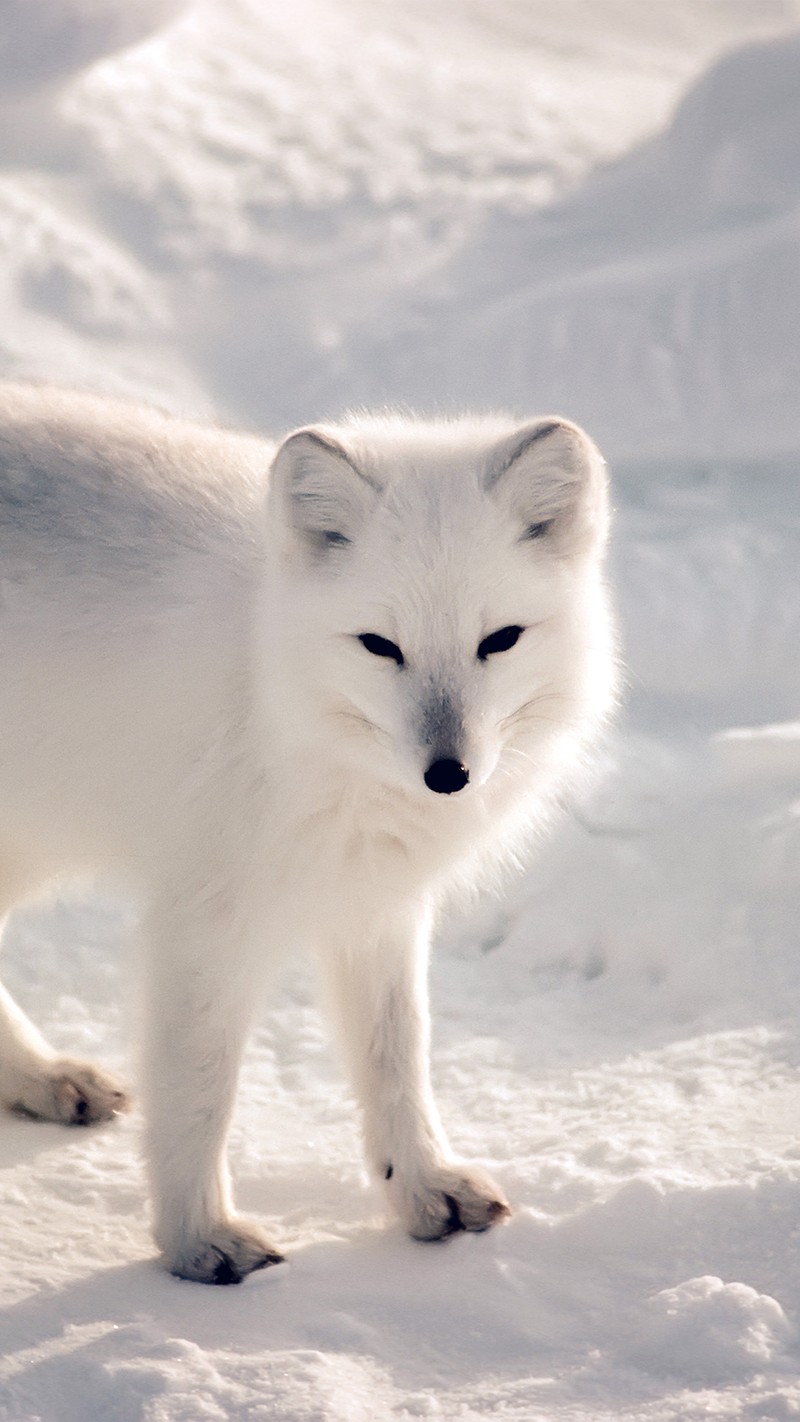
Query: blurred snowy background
[{"x": 264, "y": 213}]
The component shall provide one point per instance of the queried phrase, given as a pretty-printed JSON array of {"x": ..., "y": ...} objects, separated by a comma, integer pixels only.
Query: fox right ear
[
  {"x": 323, "y": 498},
  {"x": 552, "y": 476}
]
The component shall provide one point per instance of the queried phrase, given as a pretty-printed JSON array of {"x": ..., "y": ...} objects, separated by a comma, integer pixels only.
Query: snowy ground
[{"x": 266, "y": 213}]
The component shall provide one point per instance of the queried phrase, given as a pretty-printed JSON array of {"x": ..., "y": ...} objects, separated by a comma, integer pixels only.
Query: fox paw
[
  {"x": 225, "y": 1255},
  {"x": 72, "y": 1092},
  {"x": 446, "y": 1199}
]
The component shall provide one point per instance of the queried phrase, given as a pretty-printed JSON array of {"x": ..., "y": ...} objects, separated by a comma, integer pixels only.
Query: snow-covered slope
[
  {"x": 662, "y": 297},
  {"x": 273, "y": 210},
  {"x": 269, "y": 212}
]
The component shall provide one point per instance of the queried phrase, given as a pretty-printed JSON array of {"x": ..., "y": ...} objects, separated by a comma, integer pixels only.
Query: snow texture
[{"x": 268, "y": 213}]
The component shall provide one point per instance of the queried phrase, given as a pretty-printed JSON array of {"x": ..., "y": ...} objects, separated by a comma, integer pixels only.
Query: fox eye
[
  {"x": 500, "y": 641},
  {"x": 538, "y": 530},
  {"x": 381, "y": 647}
]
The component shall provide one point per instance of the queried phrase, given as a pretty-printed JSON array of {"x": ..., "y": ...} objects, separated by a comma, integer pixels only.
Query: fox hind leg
[{"x": 35, "y": 1080}]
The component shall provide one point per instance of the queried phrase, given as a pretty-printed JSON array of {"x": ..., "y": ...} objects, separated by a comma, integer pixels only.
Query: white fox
[{"x": 284, "y": 697}]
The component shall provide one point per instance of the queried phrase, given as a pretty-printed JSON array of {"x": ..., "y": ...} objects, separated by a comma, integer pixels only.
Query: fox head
[{"x": 437, "y": 600}]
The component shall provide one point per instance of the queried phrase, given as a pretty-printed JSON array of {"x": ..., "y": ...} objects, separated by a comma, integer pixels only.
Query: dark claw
[
  {"x": 498, "y": 1211},
  {"x": 454, "y": 1223},
  {"x": 268, "y": 1259},
  {"x": 225, "y": 1272}
]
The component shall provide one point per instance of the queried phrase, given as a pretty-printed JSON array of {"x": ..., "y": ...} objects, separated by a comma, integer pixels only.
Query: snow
[{"x": 268, "y": 213}]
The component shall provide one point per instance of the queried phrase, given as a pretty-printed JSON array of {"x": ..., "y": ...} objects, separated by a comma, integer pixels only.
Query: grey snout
[{"x": 446, "y": 777}]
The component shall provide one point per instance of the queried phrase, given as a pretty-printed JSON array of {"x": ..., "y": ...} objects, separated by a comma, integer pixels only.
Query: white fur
[{"x": 185, "y": 705}]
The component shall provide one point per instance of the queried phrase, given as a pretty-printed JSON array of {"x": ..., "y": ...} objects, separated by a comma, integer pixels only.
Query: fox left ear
[
  {"x": 319, "y": 495},
  {"x": 555, "y": 480}
]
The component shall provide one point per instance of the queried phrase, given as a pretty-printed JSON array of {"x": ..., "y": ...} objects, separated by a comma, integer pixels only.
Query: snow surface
[{"x": 266, "y": 213}]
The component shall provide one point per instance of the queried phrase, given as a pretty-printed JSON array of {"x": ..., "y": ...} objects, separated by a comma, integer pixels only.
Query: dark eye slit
[
  {"x": 500, "y": 641},
  {"x": 381, "y": 647}
]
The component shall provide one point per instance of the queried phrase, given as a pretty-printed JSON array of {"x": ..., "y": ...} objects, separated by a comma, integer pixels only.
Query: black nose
[{"x": 446, "y": 776}]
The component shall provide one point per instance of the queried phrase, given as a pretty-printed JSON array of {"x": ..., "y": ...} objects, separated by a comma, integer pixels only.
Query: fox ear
[
  {"x": 554, "y": 479},
  {"x": 323, "y": 498}
]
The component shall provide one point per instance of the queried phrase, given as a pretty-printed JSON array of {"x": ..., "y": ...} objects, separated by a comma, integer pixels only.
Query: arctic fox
[{"x": 284, "y": 696}]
